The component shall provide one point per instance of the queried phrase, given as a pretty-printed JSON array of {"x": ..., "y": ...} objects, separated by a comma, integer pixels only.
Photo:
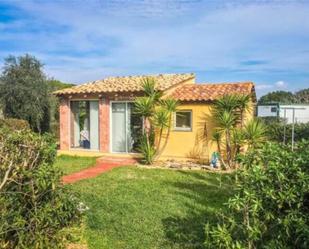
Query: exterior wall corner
[{"x": 64, "y": 119}]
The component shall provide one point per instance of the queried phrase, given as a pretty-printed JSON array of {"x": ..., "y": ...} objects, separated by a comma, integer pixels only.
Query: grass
[
  {"x": 71, "y": 164},
  {"x": 139, "y": 208}
]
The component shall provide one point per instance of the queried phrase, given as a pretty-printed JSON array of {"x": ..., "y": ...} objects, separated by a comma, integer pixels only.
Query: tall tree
[{"x": 24, "y": 91}]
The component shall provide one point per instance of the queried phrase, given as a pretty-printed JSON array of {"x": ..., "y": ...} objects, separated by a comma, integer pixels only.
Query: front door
[{"x": 126, "y": 128}]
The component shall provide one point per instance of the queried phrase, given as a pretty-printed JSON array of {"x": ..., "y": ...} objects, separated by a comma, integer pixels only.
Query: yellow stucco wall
[{"x": 196, "y": 143}]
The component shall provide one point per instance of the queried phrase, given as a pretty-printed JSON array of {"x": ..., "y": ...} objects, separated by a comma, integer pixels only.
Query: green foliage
[
  {"x": 229, "y": 116},
  {"x": 277, "y": 130},
  {"x": 157, "y": 114},
  {"x": 55, "y": 85},
  {"x": 281, "y": 97},
  {"x": 149, "y": 88},
  {"x": 302, "y": 96},
  {"x": 254, "y": 133},
  {"x": 14, "y": 124},
  {"x": 147, "y": 149},
  {"x": 144, "y": 106},
  {"x": 35, "y": 207},
  {"x": 270, "y": 208},
  {"x": 24, "y": 91}
]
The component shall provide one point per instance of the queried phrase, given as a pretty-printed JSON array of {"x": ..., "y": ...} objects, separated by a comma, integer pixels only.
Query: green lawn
[
  {"x": 137, "y": 208},
  {"x": 71, "y": 164}
]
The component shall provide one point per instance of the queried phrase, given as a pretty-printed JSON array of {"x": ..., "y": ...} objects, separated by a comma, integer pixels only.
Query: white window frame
[{"x": 182, "y": 128}]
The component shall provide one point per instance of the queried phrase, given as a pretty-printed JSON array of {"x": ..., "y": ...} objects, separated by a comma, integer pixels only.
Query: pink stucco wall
[
  {"x": 64, "y": 117},
  {"x": 104, "y": 129}
]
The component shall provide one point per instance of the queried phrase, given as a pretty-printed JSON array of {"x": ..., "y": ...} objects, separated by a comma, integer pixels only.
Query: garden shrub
[
  {"x": 15, "y": 124},
  {"x": 271, "y": 205},
  {"x": 35, "y": 207},
  {"x": 275, "y": 130}
]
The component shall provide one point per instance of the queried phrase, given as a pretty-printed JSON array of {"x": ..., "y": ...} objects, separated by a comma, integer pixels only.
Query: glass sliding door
[
  {"x": 119, "y": 127},
  {"x": 126, "y": 127},
  {"x": 84, "y": 127}
]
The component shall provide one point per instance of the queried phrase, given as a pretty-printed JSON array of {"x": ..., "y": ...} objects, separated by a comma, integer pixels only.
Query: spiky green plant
[
  {"x": 157, "y": 113},
  {"x": 170, "y": 106},
  {"x": 227, "y": 103},
  {"x": 147, "y": 149},
  {"x": 226, "y": 121},
  {"x": 149, "y": 88},
  {"x": 255, "y": 133},
  {"x": 243, "y": 105}
]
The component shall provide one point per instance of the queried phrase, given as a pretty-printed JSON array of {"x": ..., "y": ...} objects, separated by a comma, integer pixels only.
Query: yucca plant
[
  {"x": 228, "y": 103},
  {"x": 228, "y": 112},
  {"x": 157, "y": 114},
  {"x": 255, "y": 133},
  {"x": 243, "y": 105},
  {"x": 161, "y": 122},
  {"x": 147, "y": 149},
  {"x": 170, "y": 106},
  {"x": 217, "y": 138}
]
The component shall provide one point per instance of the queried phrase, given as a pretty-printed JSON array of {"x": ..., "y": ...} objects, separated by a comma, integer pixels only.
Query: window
[
  {"x": 183, "y": 121},
  {"x": 273, "y": 109}
]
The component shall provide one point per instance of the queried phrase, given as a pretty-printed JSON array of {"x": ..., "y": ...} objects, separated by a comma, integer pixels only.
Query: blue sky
[{"x": 78, "y": 41}]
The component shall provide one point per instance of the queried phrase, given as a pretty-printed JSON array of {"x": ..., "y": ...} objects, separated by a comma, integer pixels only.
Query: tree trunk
[
  {"x": 228, "y": 148},
  {"x": 167, "y": 136}
]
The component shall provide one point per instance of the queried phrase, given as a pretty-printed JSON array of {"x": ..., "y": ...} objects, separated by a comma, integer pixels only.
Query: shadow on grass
[{"x": 203, "y": 199}]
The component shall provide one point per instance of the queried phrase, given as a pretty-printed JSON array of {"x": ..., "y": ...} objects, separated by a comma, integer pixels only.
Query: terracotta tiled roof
[
  {"x": 126, "y": 84},
  {"x": 210, "y": 92}
]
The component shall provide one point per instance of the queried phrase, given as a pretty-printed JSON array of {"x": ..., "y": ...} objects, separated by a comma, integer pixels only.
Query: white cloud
[
  {"x": 281, "y": 84},
  {"x": 203, "y": 38}
]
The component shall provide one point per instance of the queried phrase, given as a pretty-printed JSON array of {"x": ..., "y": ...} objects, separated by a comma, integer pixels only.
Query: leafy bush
[
  {"x": 34, "y": 205},
  {"x": 277, "y": 128},
  {"x": 271, "y": 207},
  {"x": 14, "y": 124}
]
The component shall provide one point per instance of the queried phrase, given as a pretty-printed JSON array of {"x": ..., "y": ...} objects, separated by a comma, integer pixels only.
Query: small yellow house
[{"x": 98, "y": 116}]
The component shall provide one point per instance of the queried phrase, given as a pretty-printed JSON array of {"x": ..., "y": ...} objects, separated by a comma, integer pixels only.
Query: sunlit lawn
[
  {"x": 137, "y": 208},
  {"x": 70, "y": 164}
]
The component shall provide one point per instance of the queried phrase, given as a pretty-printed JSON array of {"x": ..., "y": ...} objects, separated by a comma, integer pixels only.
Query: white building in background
[
  {"x": 301, "y": 112},
  {"x": 268, "y": 110}
]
